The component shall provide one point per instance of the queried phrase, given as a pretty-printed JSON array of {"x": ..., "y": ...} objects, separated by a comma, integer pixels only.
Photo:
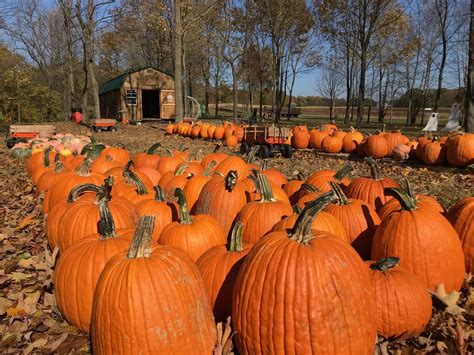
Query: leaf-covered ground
[{"x": 31, "y": 322}]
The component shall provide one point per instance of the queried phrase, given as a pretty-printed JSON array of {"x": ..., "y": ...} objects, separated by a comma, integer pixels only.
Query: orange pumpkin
[
  {"x": 376, "y": 147},
  {"x": 351, "y": 140},
  {"x": 233, "y": 163},
  {"x": 103, "y": 164},
  {"x": 316, "y": 138},
  {"x": 118, "y": 153},
  {"x": 321, "y": 179},
  {"x": 460, "y": 149},
  {"x": 194, "y": 186},
  {"x": 331, "y": 144},
  {"x": 147, "y": 159},
  {"x": 300, "y": 137},
  {"x": 231, "y": 141}
]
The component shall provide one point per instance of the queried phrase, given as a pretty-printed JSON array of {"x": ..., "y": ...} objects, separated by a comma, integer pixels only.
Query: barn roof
[{"x": 117, "y": 82}]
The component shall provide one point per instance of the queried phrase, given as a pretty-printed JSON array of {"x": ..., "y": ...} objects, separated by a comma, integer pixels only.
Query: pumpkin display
[
  {"x": 79, "y": 268},
  {"x": 138, "y": 286},
  {"x": 403, "y": 302},
  {"x": 461, "y": 216},
  {"x": 194, "y": 185},
  {"x": 439, "y": 256},
  {"x": 351, "y": 141},
  {"x": 117, "y": 152},
  {"x": 321, "y": 179},
  {"x": 331, "y": 144},
  {"x": 460, "y": 149},
  {"x": 258, "y": 217},
  {"x": 233, "y": 163},
  {"x": 287, "y": 275},
  {"x": 376, "y": 146},
  {"x": 300, "y": 137},
  {"x": 219, "y": 267},
  {"x": 316, "y": 138},
  {"x": 358, "y": 218},
  {"x": 147, "y": 159},
  {"x": 371, "y": 190},
  {"x": 192, "y": 234}
]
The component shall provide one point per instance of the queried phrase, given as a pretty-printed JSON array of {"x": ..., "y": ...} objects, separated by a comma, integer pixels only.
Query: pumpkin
[
  {"x": 300, "y": 137},
  {"x": 194, "y": 185},
  {"x": 358, "y": 219},
  {"x": 376, "y": 146},
  {"x": 50, "y": 177},
  {"x": 461, "y": 216},
  {"x": 118, "y": 153},
  {"x": 210, "y": 131},
  {"x": 401, "y": 152},
  {"x": 307, "y": 194},
  {"x": 131, "y": 181},
  {"x": 439, "y": 256},
  {"x": 402, "y": 300},
  {"x": 203, "y": 133},
  {"x": 195, "y": 131},
  {"x": 75, "y": 162},
  {"x": 329, "y": 127},
  {"x": 288, "y": 276},
  {"x": 460, "y": 149},
  {"x": 151, "y": 174},
  {"x": 40, "y": 159},
  {"x": 219, "y": 267},
  {"x": 103, "y": 164},
  {"x": 331, "y": 144},
  {"x": 222, "y": 198},
  {"x": 46, "y": 166},
  {"x": 215, "y": 156},
  {"x": 132, "y": 293},
  {"x": 147, "y": 159},
  {"x": 83, "y": 216},
  {"x": 259, "y": 217},
  {"x": 169, "y": 163},
  {"x": 316, "y": 138},
  {"x": 231, "y": 141},
  {"x": 393, "y": 139},
  {"x": 79, "y": 268},
  {"x": 171, "y": 180},
  {"x": 421, "y": 200},
  {"x": 293, "y": 186},
  {"x": 170, "y": 128},
  {"x": 233, "y": 163},
  {"x": 92, "y": 150},
  {"x": 434, "y": 153},
  {"x": 371, "y": 190},
  {"x": 351, "y": 140},
  {"x": 192, "y": 234},
  {"x": 275, "y": 177},
  {"x": 321, "y": 179},
  {"x": 219, "y": 133}
]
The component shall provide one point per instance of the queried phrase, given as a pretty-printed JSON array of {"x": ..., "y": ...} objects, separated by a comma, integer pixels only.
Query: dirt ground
[{"x": 31, "y": 322}]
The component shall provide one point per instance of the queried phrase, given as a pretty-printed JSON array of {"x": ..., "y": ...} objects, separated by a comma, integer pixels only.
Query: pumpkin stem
[
  {"x": 374, "y": 168},
  {"x": 132, "y": 178},
  {"x": 181, "y": 169},
  {"x": 231, "y": 180},
  {"x": 106, "y": 221},
  {"x": 46, "y": 152},
  {"x": 152, "y": 149},
  {"x": 407, "y": 202},
  {"x": 250, "y": 157},
  {"x": 84, "y": 168},
  {"x": 159, "y": 193},
  {"x": 58, "y": 167},
  {"x": 80, "y": 190},
  {"x": 310, "y": 188},
  {"x": 217, "y": 147},
  {"x": 208, "y": 170},
  {"x": 119, "y": 145},
  {"x": 236, "y": 237},
  {"x": 141, "y": 242},
  {"x": 127, "y": 168},
  {"x": 339, "y": 193},
  {"x": 106, "y": 188},
  {"x": 385, "y": 264},
  {"x": 302, "y": 230},
  {"x": 296, "y": 209},
  {"x": 264, "y": 165},
  {"x": 343, "y": 171},
  {"x": 407, "y": 187},
  {"x": 184, "y": 216},
  {"x": 300, "y": 177},
  {"x": 264, "y": 187}
]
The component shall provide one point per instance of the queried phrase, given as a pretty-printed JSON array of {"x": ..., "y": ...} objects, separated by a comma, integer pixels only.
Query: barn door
[{"x": 167, "y": 104}]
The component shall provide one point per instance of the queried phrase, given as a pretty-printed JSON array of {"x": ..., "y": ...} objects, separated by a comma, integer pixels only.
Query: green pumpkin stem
[
  {"x": 264, "y": 165},
  {"x": 310, "y": 188},
  {"x": 343, "y": 171},
  {"x": 141, "y": 242},
  {"x": 119, "y": 145},
  {"x": 46, "y": 160},
  {"x": 106, "y": 221},
  {"x": 209, "y": 168},
  {"x": 159, "y": 193},
  {"x": 407, "y": 187},
  {"x": 231, "y": 180},
  {"x": 58, "y": 167},
  {"x": 265, "y": 188},
  {"x": 385, "y": 264},
  {"x": 106, "y": 188},
  {"x": 374, "y": 168},
  {"x": 302, "y": 230},
  {"x": 184, "y": 216},
  {"x": 300, "y": 177},
  {"x": 152, "y": 149},
  {"x": 407, "y": 202},
  {"x": 85, "y": 167},
  {"x": 296, "y": 209},
  {"x": 236, "y": 243},
  {"x": 250, "y": 157},
  {"x": 133, "y": 178},
  {"x": 127, "y": 168},
  {"x": 341, "y": 196},
  {"x": 181, "y": 169},
  {"x": 80, "y": 190}
]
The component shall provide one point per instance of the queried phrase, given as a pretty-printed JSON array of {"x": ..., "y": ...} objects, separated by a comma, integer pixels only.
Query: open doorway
[{"x": 151, "y": 104}]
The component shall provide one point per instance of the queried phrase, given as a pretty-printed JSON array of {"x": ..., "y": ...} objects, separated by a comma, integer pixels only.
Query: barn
[{"x": 138, "y": 95}]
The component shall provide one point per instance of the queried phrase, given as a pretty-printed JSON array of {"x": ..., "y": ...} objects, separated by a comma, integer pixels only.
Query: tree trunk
[
  {"x": 260, "y": 99},
  {"x": 361, "y": 98},
  {"x": 444, "y": 54},
  {"x": 95, "y": 89},
  {"x": 66, "y": 8},
  {"x": 217, "y": 86},
  {"x": 177, "y": 39},
  {"x": 469, "y": 115},
  {"x": 234, "y": 92}
]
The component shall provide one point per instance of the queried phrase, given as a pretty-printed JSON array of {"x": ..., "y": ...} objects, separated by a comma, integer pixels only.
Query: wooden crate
[{"x": 32, "y": 131}]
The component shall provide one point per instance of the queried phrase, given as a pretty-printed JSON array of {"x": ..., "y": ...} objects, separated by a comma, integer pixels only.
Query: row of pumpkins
[
  {"x": 456, "y": 149},
  {"x": 155, "y": 250}
]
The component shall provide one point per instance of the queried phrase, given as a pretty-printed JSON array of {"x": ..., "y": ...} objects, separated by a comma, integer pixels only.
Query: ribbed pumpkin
[
  {"x": 460, "y": 149},
  {"x": 351, "y": 141},
  {"x": 316, "y": 138},
  {"x": 434, "y": 153},
  {"x": 321, "y": 179},
  {"x": 39, "y": 159},
  {"x": 219, "y": 132},
  {"x": 222, "y": 198},
  {"x": 79, "y": 268},
  {"x": 50, "y": 177},
  {"x": 421, "y": 200},
  {"x": 393, "y": 139},
  {"x": 210, "y": 131},
  {"x": 193, "y": 234},
  {"x": 376, "y": 146},
  {"x": 425, "y": 242},
  {"x": 293, "y": 186},
  {"x": 118, "y": 153},
  {"x": 131, "y": 181},
  {"x": 171, "y": 180},
  {"x": 194, "y": 185},
  {"x": 82, "y": 217},
  {"x": 371, "y": 190},
  {"x": 403, "y": 302},
  {"x": 233, "y": 163},
  {"x": 151, "y": 174},
  {"x": 169, "y": 163},
  {"x": 307, "y": 194},
  {"x": 259, "y": 217},
  {"x": 461, "y": 216},
  {"x": 170, "y": 128},
  {"x": 288, "y": 276},
  {"x": 164, "y": 212},
  {"x": 47, "y": 165},
  {"x": 331, "y": 144},
  {"x": 219, "y": 267},
  {"x": 231, "y": 141},
  {"x": 359, "y": 220},
  {"x": 203, "y": 133},
  {"x": 215, "y": 156},
  {"x": 139, "y": 286},
  {"x": 103, "y": 164},
  {"x": 275, "y": 177},
  {"x": 60, "y": 191},
  {"x": 300, "y": 137},
  {"x": 147, "y": 159}
]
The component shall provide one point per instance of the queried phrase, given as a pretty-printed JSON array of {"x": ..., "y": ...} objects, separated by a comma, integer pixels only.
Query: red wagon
[{"x": 271, "y": 139}]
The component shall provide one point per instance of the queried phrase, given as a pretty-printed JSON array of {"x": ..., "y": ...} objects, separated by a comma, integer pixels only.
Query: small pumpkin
[
  {"x": 351, "y": 140},
  {"x": 147, "y": 159},
  {"x": 316, "y": 138},
  {"x": 117, "y": 152},
  {"x": 331, "y": 144},
  {"x": 300, "y": 137},
  {"x": 321, "y": 179},
  {"x": 103, "y": 164}
]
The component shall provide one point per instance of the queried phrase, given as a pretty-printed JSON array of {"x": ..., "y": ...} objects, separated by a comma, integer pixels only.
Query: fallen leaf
[
  {"x": 39, "y": 343},
  {"x": 4, "y": 305},
  {"x": 57, "y": 343},
  {"x": 450, "y": 300},
  {"x": 18, "y": 276},
  {"x": 25, "y": 221}
]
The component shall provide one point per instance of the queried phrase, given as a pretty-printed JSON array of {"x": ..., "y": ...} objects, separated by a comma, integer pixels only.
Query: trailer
[
  {"x": 21, "y": 133},
  {"x": 271, "y": 139}
]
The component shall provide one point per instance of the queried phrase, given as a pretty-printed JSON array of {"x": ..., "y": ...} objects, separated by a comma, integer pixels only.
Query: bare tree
[
  {"x": 331, "y": 82},
  {"x": 469, "y": 115}
]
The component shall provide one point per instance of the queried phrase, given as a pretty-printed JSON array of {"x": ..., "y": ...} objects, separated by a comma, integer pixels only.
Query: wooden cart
[
  {"x": 271, "y": 139},
  {"x": 21, "y": 133}
]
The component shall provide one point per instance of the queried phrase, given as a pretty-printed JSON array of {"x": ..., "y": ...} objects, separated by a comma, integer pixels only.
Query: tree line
[{"x": 369, "y": 53}]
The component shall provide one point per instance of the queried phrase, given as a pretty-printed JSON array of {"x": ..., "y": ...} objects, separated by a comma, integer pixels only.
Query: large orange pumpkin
[
  {"x": 293, "y": 186},
  {"x": 139, "y": 287},
  {"x": 103, "y": 164},
  {"x": 288, "y": 276},
  {"x": 434, "y": 153},
  {"x": 393, "y": 139},
  {"x": 331, "y": 144},
  {"x": 118, "y": 153},
  {"x": 300, "y": 137},
  {"x": 376, "y": 146},
  {"x": 147, "y": 159},
  {"x": 171, "y": 180},
  {"x": 50, "y": 177},
  {"x": 316, "y": 138},
  {"x": 321, "y": 179},
  {"x": 460, "y": 149},
  {"x": 426, "y": 243},
  {"x": 351, "y": 141},
  {"x": 233, "y": 163},
  {"x": 194, "y": 185}
]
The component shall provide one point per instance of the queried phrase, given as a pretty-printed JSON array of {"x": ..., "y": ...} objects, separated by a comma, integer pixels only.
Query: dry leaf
[
  {"x": 39, "y": 343},
  {"x": 18, "y": 276},
  {"x": 26, "y": 221},
  {"x": 57, "y": 343},
  {"x": 4, "y": 305},
  {"x": 449, "y": 299}
]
